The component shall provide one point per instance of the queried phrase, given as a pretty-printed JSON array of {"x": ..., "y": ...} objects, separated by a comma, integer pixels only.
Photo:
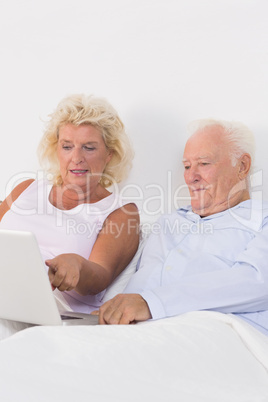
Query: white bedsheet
[{"x": 196, "y": 357}]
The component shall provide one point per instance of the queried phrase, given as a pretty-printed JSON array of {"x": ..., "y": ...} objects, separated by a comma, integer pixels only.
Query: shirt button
[{"x": 168, "y": 268}]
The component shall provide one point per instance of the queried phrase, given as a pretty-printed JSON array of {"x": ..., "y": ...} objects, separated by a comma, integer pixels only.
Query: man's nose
[{"x": 192, "y": 175}]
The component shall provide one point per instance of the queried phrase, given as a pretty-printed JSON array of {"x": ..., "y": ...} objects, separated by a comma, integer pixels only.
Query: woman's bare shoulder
[{"x": 15, "y": 193}]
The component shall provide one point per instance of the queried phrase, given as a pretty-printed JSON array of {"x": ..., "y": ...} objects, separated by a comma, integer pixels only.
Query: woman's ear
[
  {"x": 109, "y": 156},
  {"x": 244, "y": 166}
]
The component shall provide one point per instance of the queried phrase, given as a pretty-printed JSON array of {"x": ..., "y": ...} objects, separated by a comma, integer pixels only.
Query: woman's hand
[{"x": 64, "y": 271}]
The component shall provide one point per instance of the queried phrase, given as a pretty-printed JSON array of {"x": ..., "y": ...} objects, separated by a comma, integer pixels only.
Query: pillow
[{"x": 121, "y": 281}]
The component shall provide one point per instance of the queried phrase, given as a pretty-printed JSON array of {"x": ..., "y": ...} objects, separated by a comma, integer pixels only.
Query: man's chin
[
  {"x": 201, "y": 210},
  {"x": 197, "y": 207}
]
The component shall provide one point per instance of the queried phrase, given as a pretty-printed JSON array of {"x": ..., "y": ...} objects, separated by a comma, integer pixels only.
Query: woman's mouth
[{"x": 79, "y": 172}]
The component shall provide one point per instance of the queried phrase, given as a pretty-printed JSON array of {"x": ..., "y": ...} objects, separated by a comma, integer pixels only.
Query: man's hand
[
  {"x": 124, "y": 309},
  {"x": 64, "y": 271}
]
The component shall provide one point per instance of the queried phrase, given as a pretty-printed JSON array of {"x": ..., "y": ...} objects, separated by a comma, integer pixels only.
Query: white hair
[{"x": 237, "y": 134}]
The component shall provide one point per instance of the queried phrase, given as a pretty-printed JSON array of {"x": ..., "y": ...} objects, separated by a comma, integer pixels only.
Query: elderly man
[{"x": 212, "y": 255}]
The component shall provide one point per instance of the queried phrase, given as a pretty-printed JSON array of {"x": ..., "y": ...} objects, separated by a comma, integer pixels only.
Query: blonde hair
[{"x": 88, "y": 110}]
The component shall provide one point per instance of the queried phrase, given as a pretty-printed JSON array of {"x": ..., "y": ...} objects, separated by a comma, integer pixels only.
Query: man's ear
[{"x": 244, "y": 166}]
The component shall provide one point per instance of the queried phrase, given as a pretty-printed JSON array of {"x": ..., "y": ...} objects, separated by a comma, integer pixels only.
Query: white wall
[{"x": 161, "y": 63}]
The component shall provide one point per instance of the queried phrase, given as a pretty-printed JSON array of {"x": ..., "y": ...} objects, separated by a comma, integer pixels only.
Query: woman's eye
[
  {"x": 67, "y": 147},
  {"x": 89, "y": 148}
]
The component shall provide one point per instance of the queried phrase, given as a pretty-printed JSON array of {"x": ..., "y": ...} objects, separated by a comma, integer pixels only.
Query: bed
[{"x": 196, "y": 357}]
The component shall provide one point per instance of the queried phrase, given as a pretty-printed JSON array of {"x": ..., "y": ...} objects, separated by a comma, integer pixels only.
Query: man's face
[{"x": 213, "y": 182}]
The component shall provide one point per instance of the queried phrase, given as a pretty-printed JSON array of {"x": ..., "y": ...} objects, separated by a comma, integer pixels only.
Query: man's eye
[{"x": 186, "y": 167}]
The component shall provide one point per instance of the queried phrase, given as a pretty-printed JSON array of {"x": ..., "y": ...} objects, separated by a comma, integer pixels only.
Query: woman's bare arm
[{"x": 114, "y": 248}]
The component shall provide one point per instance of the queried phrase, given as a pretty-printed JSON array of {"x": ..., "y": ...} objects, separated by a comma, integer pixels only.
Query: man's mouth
[{"x": 198, "y": 189}]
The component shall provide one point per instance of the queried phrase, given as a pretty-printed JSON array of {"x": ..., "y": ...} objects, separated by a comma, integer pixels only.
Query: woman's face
[{"x": 82, "y": 155}]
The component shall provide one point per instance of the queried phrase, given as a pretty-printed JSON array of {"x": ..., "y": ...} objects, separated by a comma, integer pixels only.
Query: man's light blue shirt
[{"x": 218, "y": 262}]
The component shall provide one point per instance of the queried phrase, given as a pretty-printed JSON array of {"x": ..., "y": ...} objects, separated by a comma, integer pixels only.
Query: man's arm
[
  {"x": 173, "y": 282},
  {"x": 240, "y": 287}
]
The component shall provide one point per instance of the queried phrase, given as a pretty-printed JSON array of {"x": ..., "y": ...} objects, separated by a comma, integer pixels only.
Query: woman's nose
[{"x": 77, "y": 156}]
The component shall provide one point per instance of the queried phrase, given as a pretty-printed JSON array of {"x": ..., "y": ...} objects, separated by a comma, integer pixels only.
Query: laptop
[{"x": 25, "y": 291}]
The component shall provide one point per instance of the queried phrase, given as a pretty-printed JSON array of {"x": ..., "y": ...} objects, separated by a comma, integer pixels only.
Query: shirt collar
[
  {"x": 248, "y": 213},
  {"x": 248, "y": 204}
]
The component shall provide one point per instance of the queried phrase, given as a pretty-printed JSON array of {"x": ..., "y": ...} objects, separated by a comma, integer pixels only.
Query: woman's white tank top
[{"x": 60, "y": 231}]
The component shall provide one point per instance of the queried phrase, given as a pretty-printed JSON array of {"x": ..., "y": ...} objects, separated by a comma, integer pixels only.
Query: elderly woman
[{"x": 86, "y": 236}]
